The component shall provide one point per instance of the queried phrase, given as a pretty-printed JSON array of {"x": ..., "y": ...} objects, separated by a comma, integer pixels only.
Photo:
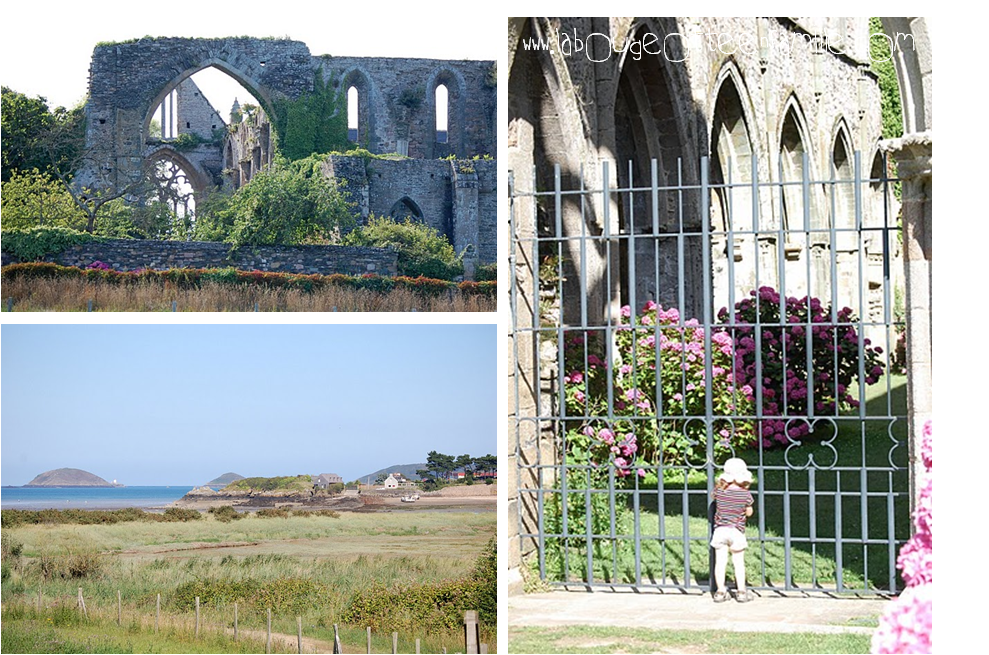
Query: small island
[
  {"x": 68, "y": 477},
  {"x": 224, "y": 480}
]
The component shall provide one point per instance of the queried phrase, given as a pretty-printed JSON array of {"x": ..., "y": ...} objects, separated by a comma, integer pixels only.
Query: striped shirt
[{"x": 730, "y": 504}]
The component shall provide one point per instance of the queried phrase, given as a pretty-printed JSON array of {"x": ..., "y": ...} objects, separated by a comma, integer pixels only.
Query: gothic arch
[
  {"x": 456, "y": 110},
  {"x": 360, "y": 80},
  {"x": 199, "y": 178},
  {"x": 406, "y": 207}
]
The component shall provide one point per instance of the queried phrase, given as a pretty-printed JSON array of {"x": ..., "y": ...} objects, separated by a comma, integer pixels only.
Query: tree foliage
[
  {"x": 422, "y": 250},
  {"x": 36, "y": 137},
  {"x": 288, "y": 203},
  {"x": 881, "y": 59}
]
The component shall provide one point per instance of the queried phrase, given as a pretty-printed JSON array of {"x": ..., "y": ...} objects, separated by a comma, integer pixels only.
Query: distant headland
[{"x": 70, "y": 478}]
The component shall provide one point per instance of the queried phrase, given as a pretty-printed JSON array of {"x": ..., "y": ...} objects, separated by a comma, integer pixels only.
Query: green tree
[
  {"x": 440, "y": 465},
  {"x": 31, "y": 198},
  {"x": 288, "y": 203},
  {"x": 315, "y": 123},
  {"x": 35, "y": 137},
  {"x": 422, "y": 250},
  {"x": 486, "y": 463}
]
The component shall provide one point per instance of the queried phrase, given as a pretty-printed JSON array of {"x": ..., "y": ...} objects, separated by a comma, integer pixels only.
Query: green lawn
[
  {"x": 585, "y": 639},
  {"x": 805, "y": 497}
]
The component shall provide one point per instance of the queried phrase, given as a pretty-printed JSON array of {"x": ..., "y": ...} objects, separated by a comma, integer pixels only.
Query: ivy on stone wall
[
  {"x": 889, "y": 87},
  {"x": 312, "y": 124}
]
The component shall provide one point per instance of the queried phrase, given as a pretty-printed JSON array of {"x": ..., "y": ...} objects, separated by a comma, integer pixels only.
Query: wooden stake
[
  {"x": 82, "y": 604},
  {"x": 394, "y": 642},
  {"x": 484, "y": 649},
  {"x": 267, "y": 647},
  {"x": 298, "y": 620},
  {"x": 368, "y": 640},
  {"x": 235, "y": 621},
  {"x": 197, "y": 617},
  {"x": 157, "y": 611},
  {"x": 118, "y": 608},
  {"x": 417, "y": 645},
  {"x": 336, "y": 640},
  {"x": 470, "y": 632},
  {"x": 39, "y": 599}
]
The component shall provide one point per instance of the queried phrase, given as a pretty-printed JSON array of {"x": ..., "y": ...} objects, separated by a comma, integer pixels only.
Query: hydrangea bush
[
  {"x": 658, "y": 394},
  {"x": 788, "y": 382},
  {"x": 907, "y": 625}
]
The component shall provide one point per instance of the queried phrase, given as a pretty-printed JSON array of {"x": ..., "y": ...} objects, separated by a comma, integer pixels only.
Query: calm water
[{"x": 95, "y": 498}]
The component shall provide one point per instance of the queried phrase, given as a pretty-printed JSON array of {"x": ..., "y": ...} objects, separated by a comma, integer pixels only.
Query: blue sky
[{"x": 182, "y": 404}]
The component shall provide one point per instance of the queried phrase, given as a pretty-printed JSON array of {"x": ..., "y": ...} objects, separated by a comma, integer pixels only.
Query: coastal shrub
[
  {"x": 422, "y": 250},
  {"x": 288, "y": 594},
  {"x": 174, "y": 514},
  {"x": 779, "y": 338},
  {"x": 225, "y": 513},
  {"x": 69, "y": 565},
  {"x": 11, "y": 551},
  {"x": 274, "y": 512},
  {"x": 14, "y": 517},
  {"x": 435, "y": 606}
]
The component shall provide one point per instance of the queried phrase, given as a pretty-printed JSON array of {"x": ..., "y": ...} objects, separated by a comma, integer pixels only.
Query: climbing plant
[{"x": 314, "y": 123}]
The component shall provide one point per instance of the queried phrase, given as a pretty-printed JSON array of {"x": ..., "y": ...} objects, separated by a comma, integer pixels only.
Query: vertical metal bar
[
  {"x": 588, "y": 527},
  {"x": 891, "y": 534},
  {"x": 637, "y": 533},
  {"x": 583, "y": 254},
  {"x": 864, "y": 502},
  {"x": 812, "y": 518},
  {"x": 730, "y": 236},
  {"x": 681, "y": 277},
  {"x": 612, "y": 532},
  {"x": 805, "y": 191},
  {"x": 863, "y": 284},
  {"x": 839, "y": 571},
  {"x": 536, "y": 320},
  {"x": 561, "y": 368},
  {"x": 632, "y": 277},
  {"x": 787, "y": 536}
]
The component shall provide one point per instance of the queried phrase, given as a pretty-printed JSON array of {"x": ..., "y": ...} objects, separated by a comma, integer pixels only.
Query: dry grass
[{"x": 67, "y": 295}]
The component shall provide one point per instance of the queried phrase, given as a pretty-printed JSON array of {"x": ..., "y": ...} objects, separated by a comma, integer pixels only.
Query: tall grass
[{"x": 74, "y": 295}]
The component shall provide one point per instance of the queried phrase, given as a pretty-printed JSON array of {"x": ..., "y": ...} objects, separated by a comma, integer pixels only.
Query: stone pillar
[
  {"x": 913, "y": 158},
  {"x": 465, "y": 211}
]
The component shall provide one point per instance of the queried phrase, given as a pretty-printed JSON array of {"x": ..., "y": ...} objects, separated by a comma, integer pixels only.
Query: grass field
[
  {"x": 309, "y": 567},
  {"x": 75, "y": 295},
  {"x": 858, "y": 490},
  {"x": 586, "y": 639}
]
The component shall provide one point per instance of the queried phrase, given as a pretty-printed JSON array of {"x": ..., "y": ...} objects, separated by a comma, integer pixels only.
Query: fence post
[
  {"x": 39, "y": 599},
  {"x": 336, "y": 640},
  {"x": 368, "y": 640},
  {"x": 417, "y": 645},
  {"x": 197, "y": 617},
  {"x": 298, "y": 620},
  {"x": 89, "y": 306},
  {"x": 118, "y": 608},
  {"x": 267, "y": 647},
  {"x": 484, "y": 649},
  {"x": 10, "y": 304},
  {"x": 235, "y": 621},
  {"x": 175, "y": 305},
  {"x": 394, "y": 643},
  {"x": 157, "y": 611},
  {"x": 82, "y": 604},
  {"x": 471, "y": 636}
]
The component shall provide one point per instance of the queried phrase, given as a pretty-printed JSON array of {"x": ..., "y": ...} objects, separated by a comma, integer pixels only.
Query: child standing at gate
[{"x": 733, "y": 505}]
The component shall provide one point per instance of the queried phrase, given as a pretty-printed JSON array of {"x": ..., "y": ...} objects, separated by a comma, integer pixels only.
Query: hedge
[{"x": 194, "y": 278}]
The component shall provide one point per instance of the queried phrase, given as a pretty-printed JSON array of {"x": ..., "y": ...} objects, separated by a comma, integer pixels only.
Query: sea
[{"x": 89, "y": 497}]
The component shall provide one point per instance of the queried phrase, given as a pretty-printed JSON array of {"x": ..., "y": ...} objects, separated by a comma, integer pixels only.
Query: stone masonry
[{"x": 132, "y": 254}]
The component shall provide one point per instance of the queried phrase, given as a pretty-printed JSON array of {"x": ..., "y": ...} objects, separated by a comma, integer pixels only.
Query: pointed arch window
[{"x": 442, "y": 113}]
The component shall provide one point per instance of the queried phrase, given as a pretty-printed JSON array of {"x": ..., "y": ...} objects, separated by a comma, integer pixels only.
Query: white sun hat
[{"x": 736, "y": 471}]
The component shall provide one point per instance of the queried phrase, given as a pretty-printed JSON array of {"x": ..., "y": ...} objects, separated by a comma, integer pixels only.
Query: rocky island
[{"x": 70, "y": 478}]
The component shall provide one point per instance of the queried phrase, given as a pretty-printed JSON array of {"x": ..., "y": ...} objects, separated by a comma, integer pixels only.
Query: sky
[
  {"x": 45, "y": 49},
  {"x": 182, "y": 404}
]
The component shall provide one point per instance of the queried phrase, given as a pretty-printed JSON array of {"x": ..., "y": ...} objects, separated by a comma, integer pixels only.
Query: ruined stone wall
[
  {"x": 398, "y": 106},
  {"x": 458, "y": 198},
  {"x": 130, "y": 255}
]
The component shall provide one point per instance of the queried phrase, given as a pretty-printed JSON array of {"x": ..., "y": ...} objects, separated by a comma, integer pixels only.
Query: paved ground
[{"x": 768, "y": 612}]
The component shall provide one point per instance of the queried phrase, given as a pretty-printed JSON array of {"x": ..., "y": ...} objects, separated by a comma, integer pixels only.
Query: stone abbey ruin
[{"x": 445, "y": 178}]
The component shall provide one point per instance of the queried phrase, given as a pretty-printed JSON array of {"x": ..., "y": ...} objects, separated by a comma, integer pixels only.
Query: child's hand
[{"x": 748, "y": 511}]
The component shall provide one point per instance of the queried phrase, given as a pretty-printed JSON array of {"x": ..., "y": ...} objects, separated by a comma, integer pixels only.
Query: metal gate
[{"x": 651, "y": 345}]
